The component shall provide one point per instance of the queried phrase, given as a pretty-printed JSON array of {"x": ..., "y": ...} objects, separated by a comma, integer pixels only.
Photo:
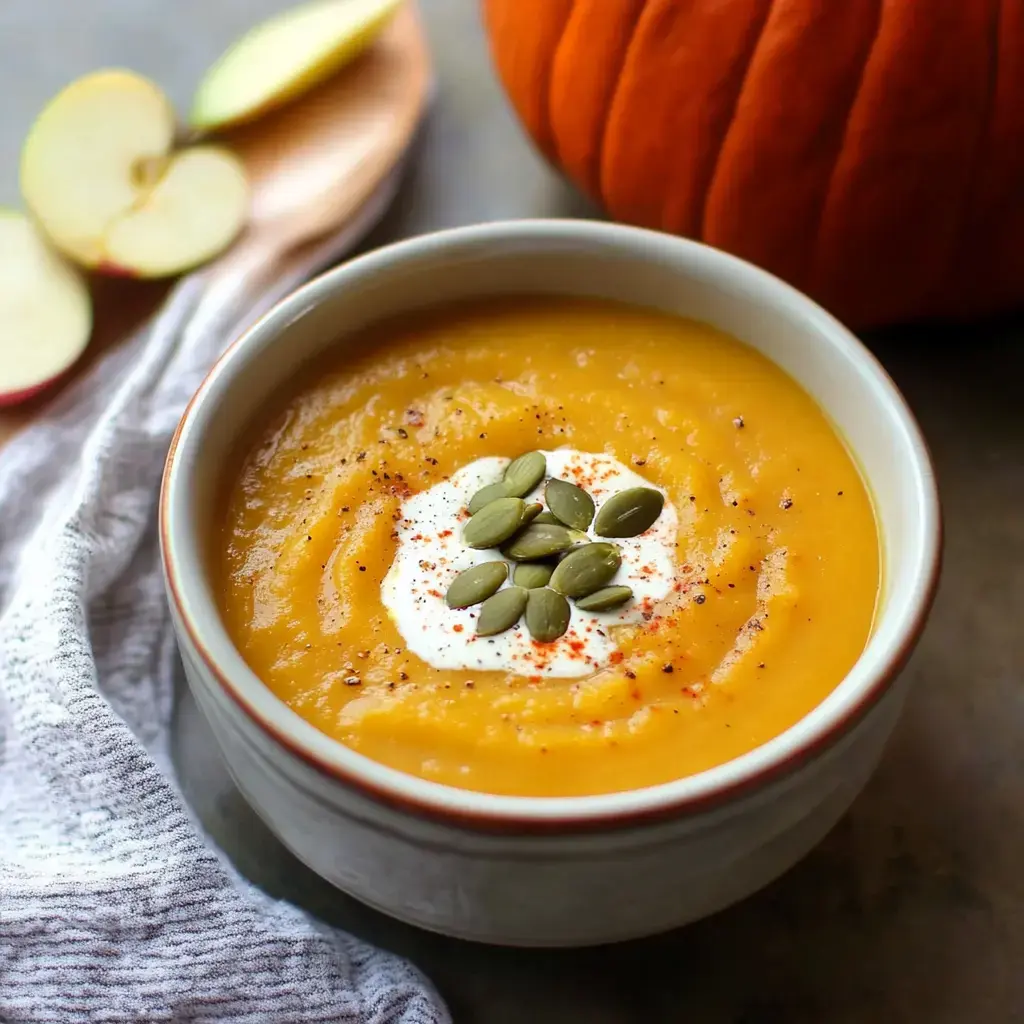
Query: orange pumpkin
[{"x": 871, "y": 152}]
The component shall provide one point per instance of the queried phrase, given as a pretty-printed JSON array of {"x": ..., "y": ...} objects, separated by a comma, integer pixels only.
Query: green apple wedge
[
  {"x": 284, "y": 57},
  {"x": 102, "y": 177},
  {"x": 45, "y": 311}
]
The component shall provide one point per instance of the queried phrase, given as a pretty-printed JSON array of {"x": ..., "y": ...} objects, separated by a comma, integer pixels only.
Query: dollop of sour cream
[{"x": 430, "y": 554}]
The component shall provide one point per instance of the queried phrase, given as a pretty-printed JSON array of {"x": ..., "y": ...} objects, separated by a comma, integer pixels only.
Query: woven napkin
[{"x": 113, "y": 905}]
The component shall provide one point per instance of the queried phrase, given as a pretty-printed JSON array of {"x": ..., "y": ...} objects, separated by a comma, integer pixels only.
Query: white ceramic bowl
[{"x": 574, "y": 870}]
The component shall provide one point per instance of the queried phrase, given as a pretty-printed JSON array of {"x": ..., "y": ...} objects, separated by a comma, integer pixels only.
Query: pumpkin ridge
[
  {"x": 827, "y": 195},
  {"x": 579, "y": 98},
  {"x": 709, "y": 185},
  {"x": 549, "y": 75},
  {"x": 528, "y": 87},
  {"x": 545, "y": 91},
  {"x": 962, "y": 233},
  {"x": 602, "y": 156}
]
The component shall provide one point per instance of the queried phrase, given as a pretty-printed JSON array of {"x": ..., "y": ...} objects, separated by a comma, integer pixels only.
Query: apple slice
[
  {"x": 284, "y": 56},
  {"x": 100, "y": 175},
  {"x": 45, "y": 311}
]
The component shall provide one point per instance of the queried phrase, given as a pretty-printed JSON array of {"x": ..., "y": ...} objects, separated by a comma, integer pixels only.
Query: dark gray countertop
[{"x": 913, "y": 909}]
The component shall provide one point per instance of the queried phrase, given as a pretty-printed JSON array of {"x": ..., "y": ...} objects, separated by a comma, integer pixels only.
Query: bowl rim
[{"x": 778, "y": 757}]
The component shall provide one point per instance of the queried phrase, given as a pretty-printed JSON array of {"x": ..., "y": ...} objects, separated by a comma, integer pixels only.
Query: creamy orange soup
[{"x": 773, "y": 582}]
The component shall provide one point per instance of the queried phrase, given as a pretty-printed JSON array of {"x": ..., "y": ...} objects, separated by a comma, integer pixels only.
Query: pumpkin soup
[{"x": 549, "y": 547}]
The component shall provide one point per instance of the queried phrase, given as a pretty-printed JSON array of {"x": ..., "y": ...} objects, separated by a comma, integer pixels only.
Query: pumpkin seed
[
  {"x": 578, "y": 538},
  {"x": 531, "y": 575},
  {"x": 629, "y": 513},
  {"x": 547, "y": 519},
  {"x": 494, "y": 523},
  {"x": 538, "y": 542},
  {"x": 585, "y": 570},
  {"x": 569, "y": 503},
  {"x": 524, "y": 473},
  {"x": 487, "y": 494},
  {"x": 533, "y": 510},
  {"x": 547, "y": 615},
  {"x": 501, "y": 612},
  {"x": 605, "y": 598},
  {"x": 476, "y": 584}
]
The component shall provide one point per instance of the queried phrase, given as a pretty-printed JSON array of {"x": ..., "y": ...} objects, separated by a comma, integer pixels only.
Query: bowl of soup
[{"x": 549, "y": 582}]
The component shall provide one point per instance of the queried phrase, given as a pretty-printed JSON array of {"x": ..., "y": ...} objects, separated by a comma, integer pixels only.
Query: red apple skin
[
  {"x": 17, "y": 397},
  {"x": 12, "y": 398},
  {"x": 114, "y": 270}
]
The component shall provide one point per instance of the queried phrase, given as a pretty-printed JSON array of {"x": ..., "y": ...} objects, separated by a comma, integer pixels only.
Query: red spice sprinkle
[
  {"x": 445, "y": 533},
  {"x": 615, "y": 657},
  {"x": 457, "y": 627}
]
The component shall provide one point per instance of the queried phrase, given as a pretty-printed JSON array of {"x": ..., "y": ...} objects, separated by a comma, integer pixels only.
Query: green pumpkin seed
[
  {"x": 538, "y": 542},
  {"x": 531, "y": 575},
  {"x": 585, "y": 570},
  {"x": 494, "y": 523},
  {"x": 532, "y": 511},
  {"x": 578, "y": 538},
  {"x": 629, "y": 513},
  {"x": 476, "y": 584},
  {"x": 605, "y": 598},
  {"x": 547, "y": 519},
  {"x": 524, "y": 473},
  {"x": 501, "y": 612},
  {"x": 487, "y": 494},
  {"x": 569, "y": 503},
  {"x": 547, "y": 615}
]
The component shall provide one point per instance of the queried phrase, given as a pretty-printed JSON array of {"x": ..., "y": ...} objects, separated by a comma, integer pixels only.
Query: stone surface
[{"x": 913, "y": 908}]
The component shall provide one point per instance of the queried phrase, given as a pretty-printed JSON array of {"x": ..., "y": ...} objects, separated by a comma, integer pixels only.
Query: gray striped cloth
[{"x": 113, "y": 907}]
